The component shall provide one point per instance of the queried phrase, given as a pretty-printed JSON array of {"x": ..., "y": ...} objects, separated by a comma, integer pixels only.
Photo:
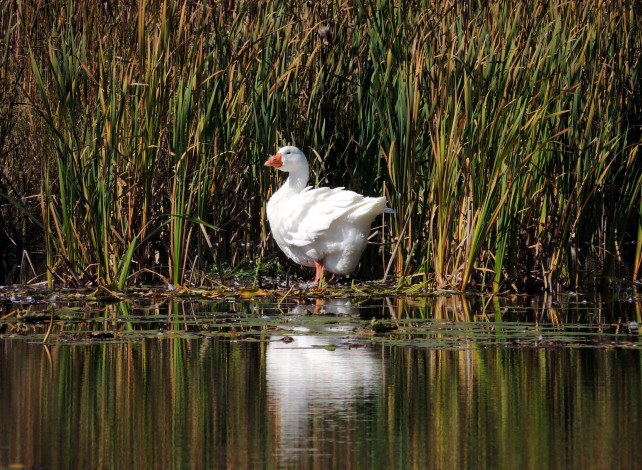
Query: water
[{"x": 242, "y": 384}]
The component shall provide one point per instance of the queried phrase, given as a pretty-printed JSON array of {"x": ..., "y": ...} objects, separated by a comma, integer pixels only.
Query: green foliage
[
  {"x": 247, "y": 270},
  {"x": 504, "y": 134}
]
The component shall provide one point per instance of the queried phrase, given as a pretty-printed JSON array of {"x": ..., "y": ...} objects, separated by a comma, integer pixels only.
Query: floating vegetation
[{"x": 430, "y": 322}]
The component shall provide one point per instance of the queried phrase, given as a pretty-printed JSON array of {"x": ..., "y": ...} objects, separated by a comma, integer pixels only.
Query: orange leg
[{"x": 320, "y": 272}]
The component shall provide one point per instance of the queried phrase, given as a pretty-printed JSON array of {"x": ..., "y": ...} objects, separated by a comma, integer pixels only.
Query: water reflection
[
  {"x": 311, "y": 385},
  {"x": 210, "y": 403},
  {"x": 315, "y": 376},
  {"x": 250, "y": 385}
]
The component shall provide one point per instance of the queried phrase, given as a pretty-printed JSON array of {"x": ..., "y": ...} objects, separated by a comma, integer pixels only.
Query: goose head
[{"x": 289, "y": 159}]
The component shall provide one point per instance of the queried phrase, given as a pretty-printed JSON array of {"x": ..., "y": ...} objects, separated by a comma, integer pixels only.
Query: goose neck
[{"x": 297, "y": 180}]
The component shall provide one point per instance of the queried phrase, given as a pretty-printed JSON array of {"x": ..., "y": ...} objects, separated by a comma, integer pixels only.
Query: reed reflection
[{"x": 327, "y": 398}]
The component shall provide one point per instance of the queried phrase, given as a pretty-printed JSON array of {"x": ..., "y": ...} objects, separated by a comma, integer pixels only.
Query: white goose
[{"x": 323, "y": 227}]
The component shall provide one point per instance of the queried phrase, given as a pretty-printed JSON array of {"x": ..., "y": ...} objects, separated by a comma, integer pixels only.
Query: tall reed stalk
[{"x": 504, "y": 134}]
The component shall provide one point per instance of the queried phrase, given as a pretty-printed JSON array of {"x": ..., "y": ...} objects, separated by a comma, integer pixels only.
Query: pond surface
[{"x": 158, "y": 381}]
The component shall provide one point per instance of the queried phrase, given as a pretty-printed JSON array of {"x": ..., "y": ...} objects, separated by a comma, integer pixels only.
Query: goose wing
[{"x": 314, "y": 213}]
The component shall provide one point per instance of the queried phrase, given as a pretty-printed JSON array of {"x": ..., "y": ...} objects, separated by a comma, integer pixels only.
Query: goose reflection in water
[{"x": 316, "y": 381}]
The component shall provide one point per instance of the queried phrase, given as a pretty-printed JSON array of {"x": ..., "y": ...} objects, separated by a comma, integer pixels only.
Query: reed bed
[{"x": 506, "y": 135}]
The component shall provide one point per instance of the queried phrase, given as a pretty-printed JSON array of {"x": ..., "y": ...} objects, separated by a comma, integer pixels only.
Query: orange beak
[{"x": 274, "y": 161}]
